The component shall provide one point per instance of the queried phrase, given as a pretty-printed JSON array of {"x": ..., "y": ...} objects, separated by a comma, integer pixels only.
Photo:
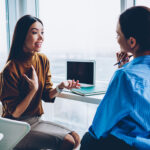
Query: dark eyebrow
[{"x": 36, "y": 29}]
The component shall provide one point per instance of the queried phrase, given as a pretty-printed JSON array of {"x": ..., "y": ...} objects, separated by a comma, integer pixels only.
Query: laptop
[{"x": 85, "y": 72}]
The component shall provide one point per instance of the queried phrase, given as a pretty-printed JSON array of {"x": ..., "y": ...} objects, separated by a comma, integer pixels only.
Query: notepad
[{"x": 87, "y": 91}]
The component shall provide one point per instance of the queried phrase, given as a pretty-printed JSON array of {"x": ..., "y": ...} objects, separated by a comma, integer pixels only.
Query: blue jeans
[{"x": 108, "y": 143}]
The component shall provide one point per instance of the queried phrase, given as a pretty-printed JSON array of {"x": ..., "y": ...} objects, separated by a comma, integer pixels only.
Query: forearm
[
  {"x": 20, "y": 109},
  {"x": 53, "y": 93},
  {"x": 69, "y": 84}
]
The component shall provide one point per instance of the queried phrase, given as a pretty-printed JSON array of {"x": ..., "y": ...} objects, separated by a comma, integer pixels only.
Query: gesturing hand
[
  {"x": 123, "y": 58},
  {"x": 69, "y": 84},
  {"x": 33, "y": 81}
]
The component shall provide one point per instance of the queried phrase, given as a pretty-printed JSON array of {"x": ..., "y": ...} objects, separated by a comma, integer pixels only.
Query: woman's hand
[
  {"x": 33, "y": 86},
  {"x": 69, "y": 84},
  {"x": 122, "y": 58},
  {"x": 33, "y": 81}
]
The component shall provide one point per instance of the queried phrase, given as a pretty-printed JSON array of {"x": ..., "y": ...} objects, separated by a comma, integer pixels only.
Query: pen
[{"x": 121, "y": 61}]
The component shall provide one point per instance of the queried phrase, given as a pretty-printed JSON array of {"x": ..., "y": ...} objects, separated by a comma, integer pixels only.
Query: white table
[{"x": 94, "y": 99}]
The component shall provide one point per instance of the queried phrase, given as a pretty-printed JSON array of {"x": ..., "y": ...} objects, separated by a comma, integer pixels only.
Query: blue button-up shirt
[{"x": 125, "y": 109}]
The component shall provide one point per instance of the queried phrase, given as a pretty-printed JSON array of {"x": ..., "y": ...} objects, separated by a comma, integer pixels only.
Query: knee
[
  {"x": 76, "y": 138},
  {"x": 72, "y": 139},
  {"x": 69, "y": 140}
]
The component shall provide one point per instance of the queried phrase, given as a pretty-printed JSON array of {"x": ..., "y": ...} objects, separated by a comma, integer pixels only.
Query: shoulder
[
  {"x": 129, "y": 71},
  {"x": 10, "y": 71},
  {"x": 42, "y": 57},
  {"x": 121, "y": 73},
  {"x": 10, "y": 67},
  {"x": 120, "y": 79}
]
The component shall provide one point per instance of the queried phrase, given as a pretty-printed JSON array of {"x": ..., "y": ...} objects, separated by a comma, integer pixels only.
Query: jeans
[{"x": 108, "y": 143}]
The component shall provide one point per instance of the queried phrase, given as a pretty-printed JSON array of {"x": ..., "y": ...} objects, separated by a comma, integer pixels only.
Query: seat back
[{"x": 13, "y": 131}]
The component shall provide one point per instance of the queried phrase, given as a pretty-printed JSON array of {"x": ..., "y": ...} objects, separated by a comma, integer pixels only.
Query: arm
[
  {"x": 117, "y": 103},
  {"x": 20, "y": 109},
  {"x": 69, "y": 84}
]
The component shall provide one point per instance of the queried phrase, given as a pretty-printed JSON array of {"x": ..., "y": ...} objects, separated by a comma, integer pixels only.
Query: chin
[{"x": 37, "y": 50}]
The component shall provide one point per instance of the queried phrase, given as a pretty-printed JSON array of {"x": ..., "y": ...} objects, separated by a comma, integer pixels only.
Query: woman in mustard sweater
[{"x": 26, "y": 81}]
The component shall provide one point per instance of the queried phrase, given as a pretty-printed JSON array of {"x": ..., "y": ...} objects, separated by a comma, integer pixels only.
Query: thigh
[
  {"x": 43, "y": 135},
  {"x": 88, "y": 142},
  {"x": 109, "y": 143},
  {"x": 112, "y": 142},
  {"x": 51, "y": 129}
]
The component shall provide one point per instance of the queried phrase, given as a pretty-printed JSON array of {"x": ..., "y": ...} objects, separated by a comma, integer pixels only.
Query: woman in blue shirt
[{"x": 122, "y": 120}]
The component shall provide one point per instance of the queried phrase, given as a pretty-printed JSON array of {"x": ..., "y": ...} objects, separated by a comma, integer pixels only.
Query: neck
[{"x": 26, "y": 56}]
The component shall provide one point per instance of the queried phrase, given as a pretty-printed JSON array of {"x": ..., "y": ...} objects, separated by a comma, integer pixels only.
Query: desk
[{"x": 94, "y": 99}]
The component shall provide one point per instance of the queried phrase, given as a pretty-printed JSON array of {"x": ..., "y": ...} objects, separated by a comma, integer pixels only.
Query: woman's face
[
  {"x": 34, "y": 38},
  {"x": 122, "y": 41}
]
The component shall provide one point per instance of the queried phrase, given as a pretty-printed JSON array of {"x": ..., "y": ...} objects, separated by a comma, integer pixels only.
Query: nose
[{"x": 41, "y": 37}]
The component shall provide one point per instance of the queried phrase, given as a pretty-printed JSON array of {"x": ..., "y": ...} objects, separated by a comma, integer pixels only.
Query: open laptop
[{"x": 85, "y": 72}]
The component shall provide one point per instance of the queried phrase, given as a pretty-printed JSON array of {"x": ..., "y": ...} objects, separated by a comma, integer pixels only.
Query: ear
[{"x": 132, "y": 42}]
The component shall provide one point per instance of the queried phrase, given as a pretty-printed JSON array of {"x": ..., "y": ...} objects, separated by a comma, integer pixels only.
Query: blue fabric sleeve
[{"x": 116, "y": 104}]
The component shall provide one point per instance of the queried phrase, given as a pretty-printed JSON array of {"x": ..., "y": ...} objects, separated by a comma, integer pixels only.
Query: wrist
[
  {"x": 61, "y": 85},
  {"x": 32, "y": 92},
  {"x": 58, "y": 89}
]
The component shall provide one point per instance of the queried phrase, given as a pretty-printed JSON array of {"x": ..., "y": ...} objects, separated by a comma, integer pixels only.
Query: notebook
[
  {"x": 85, "y": 72},
  {"x": 87, "y": 91}
]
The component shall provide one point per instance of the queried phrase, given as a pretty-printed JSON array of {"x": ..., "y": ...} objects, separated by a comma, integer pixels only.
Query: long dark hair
[
  {"x": 135, "y": 22},
  {"x": 19, "y": 36}
]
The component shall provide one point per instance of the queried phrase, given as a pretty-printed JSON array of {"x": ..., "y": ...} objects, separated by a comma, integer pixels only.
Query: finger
[
  {"x": 117, "y": 55},
  {"x": 34, "y": 74},
  {"x": 77, "y": 84},
  {"x": 70, "y": 83},
  {"x": 122, "y": 55},
  {"x": 33, "y": 70},
  {"x": 27, "y": 78},
  {"x": 67, "y": 84},
  {"x": 73, "y": 83}
]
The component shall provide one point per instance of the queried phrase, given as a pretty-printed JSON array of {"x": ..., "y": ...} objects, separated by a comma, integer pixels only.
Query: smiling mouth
[{"x": 38, "y": 45}]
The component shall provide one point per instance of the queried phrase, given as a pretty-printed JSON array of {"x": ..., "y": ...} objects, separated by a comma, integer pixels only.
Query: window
[
  {"x": 3, "y": 42},
  {"x": 81, "y": 29},
  {"x": 143, "y": 2}
]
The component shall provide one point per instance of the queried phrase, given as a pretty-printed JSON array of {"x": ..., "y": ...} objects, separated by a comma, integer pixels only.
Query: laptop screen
[{"x": 84, "y": 71}]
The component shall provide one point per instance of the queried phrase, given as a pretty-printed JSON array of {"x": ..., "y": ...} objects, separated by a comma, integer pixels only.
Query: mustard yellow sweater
[{"x": 14, "y": 87}]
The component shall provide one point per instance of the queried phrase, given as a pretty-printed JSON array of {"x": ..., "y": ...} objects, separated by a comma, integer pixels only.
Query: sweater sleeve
[
  {"x": 9, "y": 91},
  {"x": 48, "y": 84}
]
